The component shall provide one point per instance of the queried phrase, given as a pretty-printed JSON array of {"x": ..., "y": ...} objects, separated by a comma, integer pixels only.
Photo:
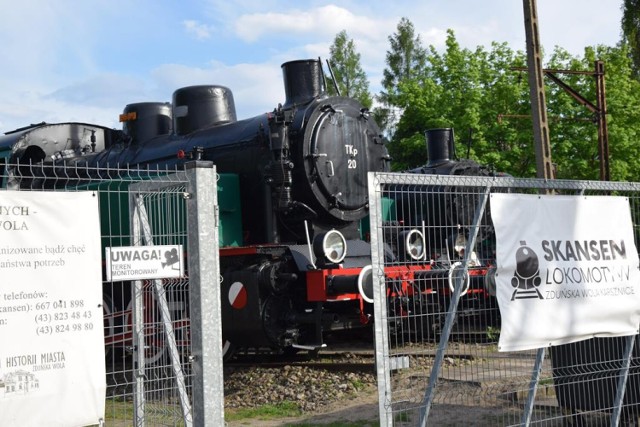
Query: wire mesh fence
[
  {"x": 147, "y": 323},
  {"x": 437, "y": 319},
  {"x": 438, "y": 322}
]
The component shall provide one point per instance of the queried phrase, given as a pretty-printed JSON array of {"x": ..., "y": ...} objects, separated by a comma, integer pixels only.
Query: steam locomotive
[
  {"x": 294, "y": 257},
  {"x": 445, "y": 216}
]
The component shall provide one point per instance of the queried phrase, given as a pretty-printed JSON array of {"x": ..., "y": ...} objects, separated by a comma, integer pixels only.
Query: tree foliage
[
  {"x": 485, "y": 99},
  {"x": 406, "y": 59},
  {"x": 348, "y": 74},
  {"x": 473, "y": 92},
  {"x": 483, "y": 94},
  {"x": 631, "y": 31},
  {"x": 623, "y": 111},
  {"x": 405, "y": 65}
]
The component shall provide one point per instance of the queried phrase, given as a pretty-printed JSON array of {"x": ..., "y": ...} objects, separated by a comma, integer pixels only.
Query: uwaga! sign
[
  {"x": 567, "y": 269},
  {"x": 144, "y": 262}
]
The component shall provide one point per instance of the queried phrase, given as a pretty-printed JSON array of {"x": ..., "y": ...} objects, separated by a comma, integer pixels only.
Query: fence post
[
  {"x": 204, "y": 294},
  {"x": 380, "y": 303}
]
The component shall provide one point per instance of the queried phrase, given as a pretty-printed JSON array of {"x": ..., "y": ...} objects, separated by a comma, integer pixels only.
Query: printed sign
[
  {"x": 52, "y": 369},
  {"x": 567, "y": 269},
  {"x": 144, "y": 262}
]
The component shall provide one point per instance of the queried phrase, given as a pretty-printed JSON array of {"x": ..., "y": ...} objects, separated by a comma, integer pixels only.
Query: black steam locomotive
[
  {"x": 294, "y": 257},
  {"x": 292, "y": 260}
]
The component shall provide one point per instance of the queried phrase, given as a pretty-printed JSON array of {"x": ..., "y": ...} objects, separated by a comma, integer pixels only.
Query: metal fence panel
[
  {"x": 437, "y": 320},
  {"x": 151, "y": 357},
  {"x": 158, "y": 216}
]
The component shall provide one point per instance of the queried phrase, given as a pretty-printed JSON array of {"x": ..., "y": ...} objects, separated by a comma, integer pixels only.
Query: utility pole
[{"x": 544, "y": 167}]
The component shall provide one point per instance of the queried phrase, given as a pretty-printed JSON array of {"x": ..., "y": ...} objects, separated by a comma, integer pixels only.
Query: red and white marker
[{"x": 238, "y": 295}]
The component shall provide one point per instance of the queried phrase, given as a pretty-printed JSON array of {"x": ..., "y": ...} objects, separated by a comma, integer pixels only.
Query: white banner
[
  {"x": 567, "y": 269},
  {"x": 52, "y": 360}
]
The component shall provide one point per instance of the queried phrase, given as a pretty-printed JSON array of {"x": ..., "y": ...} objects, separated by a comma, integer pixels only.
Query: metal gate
[
  {"x": 437, "y": 320},
  {"x": 159, "y": 371},
  {"x": 176, "y": 379}
]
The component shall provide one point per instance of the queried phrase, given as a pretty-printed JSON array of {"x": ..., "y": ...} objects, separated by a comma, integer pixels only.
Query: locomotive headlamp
[
  {"x": 330, "y": 247},
  {"x": 412, "y": 244}
]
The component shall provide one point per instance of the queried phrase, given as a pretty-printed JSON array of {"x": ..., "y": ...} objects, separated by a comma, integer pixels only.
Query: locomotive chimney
[
  {"x": 440, "y": 146},
  {"x": 200, "y": 107},
  {"x": 145, "y": 120},
  {"x": 303, "y": 81}
]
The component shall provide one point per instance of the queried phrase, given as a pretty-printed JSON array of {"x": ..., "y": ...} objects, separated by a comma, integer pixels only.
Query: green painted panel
[
  {"x": 230, "y": 231},
  {"x": 388, "y": 214}
]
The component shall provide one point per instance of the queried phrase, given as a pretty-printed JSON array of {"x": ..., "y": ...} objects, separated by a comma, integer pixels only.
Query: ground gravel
[{"x": 311, "y": 389}]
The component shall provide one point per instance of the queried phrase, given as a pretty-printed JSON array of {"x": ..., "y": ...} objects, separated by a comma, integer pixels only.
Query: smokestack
[
  {"x": 303, "y": 81},
  {"x": 440, "y": 146}
]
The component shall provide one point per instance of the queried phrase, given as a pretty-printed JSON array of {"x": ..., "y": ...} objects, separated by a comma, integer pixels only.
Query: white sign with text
[
  {"x": 567, "y": 269},
  {"x": 52, "y": 359},
  {"x": 144, "y": 262}
]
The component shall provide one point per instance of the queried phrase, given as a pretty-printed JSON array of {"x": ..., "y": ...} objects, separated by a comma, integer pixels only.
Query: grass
[
  {"x": 287, "y": 410},
  {"x": 265, "y": 412},
  {"x": 401, "y": 417},
  {"x": 493, "y": 333},
  {"x": 337, "y": 424},
  {"x": 358, "y": 384},
  {"x": 118, "y": 411}
]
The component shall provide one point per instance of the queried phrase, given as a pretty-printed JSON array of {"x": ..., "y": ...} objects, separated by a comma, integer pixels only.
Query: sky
[{"x": 71, "y": 60}]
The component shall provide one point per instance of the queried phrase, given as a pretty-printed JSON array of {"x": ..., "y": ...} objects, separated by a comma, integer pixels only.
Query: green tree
[
  {"x": 481, "y": 96},
  {"x": 501, "y": 137},
  {"x": 572, "y": 127},
  {"x": 468, "y": 91},
  {"x": 572, "y": 130},
  {"x": 406, "y": 59},
  {"x": 349, "y": 76},
  {"x": 623, "y": 112},
  {"x": 405, "y": 62},
  {"x": 631, "y": 31}
]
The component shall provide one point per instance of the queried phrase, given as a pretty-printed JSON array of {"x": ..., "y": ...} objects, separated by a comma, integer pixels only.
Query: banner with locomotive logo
[
  {"x": 52, "y": 370},
  {"x": 567, "y": 269}
]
